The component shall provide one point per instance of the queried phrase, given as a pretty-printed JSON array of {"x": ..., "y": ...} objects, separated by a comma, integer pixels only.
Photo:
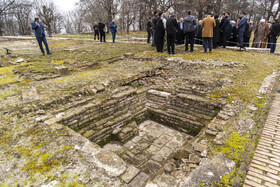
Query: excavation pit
[{"x": 144, "y": 127}]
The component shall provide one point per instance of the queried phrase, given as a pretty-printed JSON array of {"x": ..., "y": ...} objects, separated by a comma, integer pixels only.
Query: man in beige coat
[{"x": 208, "y": 25}]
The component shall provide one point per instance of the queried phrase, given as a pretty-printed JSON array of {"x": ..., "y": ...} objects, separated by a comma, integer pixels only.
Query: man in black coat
[
  {"x": 149, "y": 29},
  {"x": 171, "y": 29},
  {"x": 180, "y": 33},
  {"x": 198, "y": 33},
  {"x": 189, "y": 30},
  {"x": 274, "y": 34},
  {"x": 101, "y": 27},
  {"x": 96, "y": 31},
  {"x": 216, "y": 32},
  {"x": 154, "y": 25},
  {"x": 159, "y": 35},
  {"x": 226, "y": 29}
]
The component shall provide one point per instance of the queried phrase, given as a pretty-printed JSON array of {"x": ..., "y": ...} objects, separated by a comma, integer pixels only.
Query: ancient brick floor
[
  {"x": 265, "y": 167},
  {"x": 147, "y": 152}
]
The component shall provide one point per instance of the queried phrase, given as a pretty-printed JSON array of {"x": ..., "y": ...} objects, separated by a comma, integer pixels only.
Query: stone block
[
  {"x": 139, "y": 181},
  {"x": 61, "y": 70},
  {"x": 150, "y": 167},
  {"x": 199, "y": 147},
  {"x": 130, "y": 173},
  {"x": 223, "y": 117},
  {"x": 194, "y": 159},
  {"x": 89, "y": 133},
  {"x": 211, "y": 132},
  {"x": 113, "y": 165},
  {"x": 99, "y": 87},
  {"x": 30, "y": 95}
]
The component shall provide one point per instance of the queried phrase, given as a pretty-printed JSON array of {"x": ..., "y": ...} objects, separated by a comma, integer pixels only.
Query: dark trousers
[
  {"x": 225, "y": 38},
  {"x": 171, "y": 42},
  {"x": 180, "y": 39},
  {"x": 273, "y": 41},
  {"x": 153, "y": 39},
  {"x": 102, "y": 36},
  {"x": 149, "y": 36},
  {"x": 189, "y": 39},
  {"x": 240, "y": 38},
  {"x": 96, "y": 34},
  {"x": 246, "y": 41},
  {"x": 159, "y": 43},
  {"x": 207, "y": 43},
  {"x": 44, "y": 40},
  {"x": 114, "y": 36}
]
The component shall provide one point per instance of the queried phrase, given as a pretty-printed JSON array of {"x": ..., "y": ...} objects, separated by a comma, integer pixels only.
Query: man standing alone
[
  {"x": 149, "y": 30},
  {"x": 274, "y": 34},
  {"x": 189, "y": 30},
  {"x": 113, "y": 29},
  {"x": 40, "y": 35},
  {"x": 101, "y": 27},
  {"x": 171, "y": 29},
  {"x": 241, "y": 29},
  {"x": 96, "y": 31},
  {"x": 208, "y": 25}
]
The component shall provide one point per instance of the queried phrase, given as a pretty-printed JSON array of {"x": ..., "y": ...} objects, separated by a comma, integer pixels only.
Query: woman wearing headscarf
[
  {"x": 261, "y": 34},
  {"x": 160, "y": 32},
  {"x": 216, "y": 32}
]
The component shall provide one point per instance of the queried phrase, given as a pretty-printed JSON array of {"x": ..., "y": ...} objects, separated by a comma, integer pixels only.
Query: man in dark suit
[
  {"x": 154, "y": 22},
  {"x": 149, "y": 29},
  {"x": 226, "y": 29},
  {"x": 274, "y": 34},
  {"x": 40, "y": 35},
  {"x": 171, "y": 29},
  {"x": 101, "y": 27},
  {"x": 241, "y": 26},
  {"x": 96, "y": 31},
  {"x": 180, "y": 33}
]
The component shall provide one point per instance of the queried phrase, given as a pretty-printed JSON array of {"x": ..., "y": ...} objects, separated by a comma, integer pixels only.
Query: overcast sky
[{"x": 65, "y": 5}]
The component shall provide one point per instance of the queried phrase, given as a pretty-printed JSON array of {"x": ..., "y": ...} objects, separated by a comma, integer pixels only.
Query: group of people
[
  {"x": 166, "y": 30},
  {"x": 210, "y": 32},
  {"x": 99, "y": 30}
]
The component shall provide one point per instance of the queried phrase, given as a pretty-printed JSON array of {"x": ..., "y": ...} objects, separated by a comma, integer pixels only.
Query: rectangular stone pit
[{"x": 144, "y": 127}]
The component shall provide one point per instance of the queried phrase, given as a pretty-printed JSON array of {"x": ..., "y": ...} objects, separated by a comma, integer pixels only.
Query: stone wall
[
  {"x": 184, "y": 112},
  {"x": 97, "y": 121}
]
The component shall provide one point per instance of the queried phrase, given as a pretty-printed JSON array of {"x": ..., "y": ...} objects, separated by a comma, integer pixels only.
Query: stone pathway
[
  {"x": 265, "y": 167},
  {"x": 146, "y": 153}
]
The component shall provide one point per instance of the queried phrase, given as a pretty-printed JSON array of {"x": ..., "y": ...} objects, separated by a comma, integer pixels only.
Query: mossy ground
[{"x": 41, "y": 150}]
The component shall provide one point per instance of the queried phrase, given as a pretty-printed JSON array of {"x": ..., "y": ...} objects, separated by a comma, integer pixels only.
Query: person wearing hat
[
  {"x": 261, "y": 34},
  {"x": 233, "y": 36}
]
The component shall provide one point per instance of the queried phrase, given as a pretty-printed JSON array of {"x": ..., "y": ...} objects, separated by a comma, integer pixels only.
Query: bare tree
[
  {"x": 6, "y": 5},
  {"x": 50, "y": 15},
  {"x": 22, "y": 13}
]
